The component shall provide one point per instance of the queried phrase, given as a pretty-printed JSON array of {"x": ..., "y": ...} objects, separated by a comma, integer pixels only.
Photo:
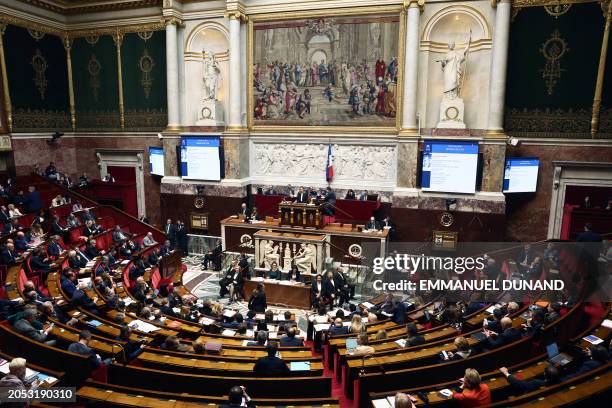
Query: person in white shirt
[
  {"x": 57, "y": 201},
  {"x": 14, "y": 211}
]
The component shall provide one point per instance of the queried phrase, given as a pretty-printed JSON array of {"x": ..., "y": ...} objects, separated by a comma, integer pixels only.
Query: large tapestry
[{"x": 335, "y": 71}]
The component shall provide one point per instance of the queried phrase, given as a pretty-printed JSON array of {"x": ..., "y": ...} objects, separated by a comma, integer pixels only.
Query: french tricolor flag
[{"x": 330, "y": 165}]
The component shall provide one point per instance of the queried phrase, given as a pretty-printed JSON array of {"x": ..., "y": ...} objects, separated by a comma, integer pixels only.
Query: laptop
[
  {"x": 351, "y": 344},
  {"x": 555, "y": 357}
]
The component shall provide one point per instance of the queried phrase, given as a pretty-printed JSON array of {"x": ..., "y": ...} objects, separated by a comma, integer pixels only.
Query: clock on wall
[{"x": 447, "y": 219}]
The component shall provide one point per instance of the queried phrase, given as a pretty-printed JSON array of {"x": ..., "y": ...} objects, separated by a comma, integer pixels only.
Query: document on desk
[
  {"x": 143, "y": 326},
  {"x": 300, "y": 366},
  {"x": 228, "y": 332},
  {"x": 206, "y": 321},
  {"x": 229, "y": 313},
  {"x": 381, "y": 403},
  {"x": 321, "y": 327},
  {"x": 367, "y": 305}
]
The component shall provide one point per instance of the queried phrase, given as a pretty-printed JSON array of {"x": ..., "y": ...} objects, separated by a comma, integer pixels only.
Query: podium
[{"x": 300, "y": 215}]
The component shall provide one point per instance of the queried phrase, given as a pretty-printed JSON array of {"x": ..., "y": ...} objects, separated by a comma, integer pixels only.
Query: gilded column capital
[
  {"x": 67, "y": 43},
  {"x": 118, "y": 38},
  {"x": 167, "y": 20},
  {"x": 237, "y": 15},
  {"x": 414, "y": 3}
]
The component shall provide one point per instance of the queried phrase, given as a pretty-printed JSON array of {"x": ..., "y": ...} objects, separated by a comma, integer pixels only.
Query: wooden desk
[
  {"x": 170, "y": 263},
  {"x": 297, "y": 295},
  {"x": 300, "y": 215}
]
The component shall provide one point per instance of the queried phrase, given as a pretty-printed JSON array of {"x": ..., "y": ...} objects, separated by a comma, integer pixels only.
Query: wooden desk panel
[{"x": 285, "y": 295}]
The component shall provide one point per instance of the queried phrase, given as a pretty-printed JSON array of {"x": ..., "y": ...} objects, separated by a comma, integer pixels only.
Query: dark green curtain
[
  {"x": 535, "y": 103},
  {"x": 143, "y": 64},
  {"x": 94, "y": 69},
  {"x": 38, "y": 81}
]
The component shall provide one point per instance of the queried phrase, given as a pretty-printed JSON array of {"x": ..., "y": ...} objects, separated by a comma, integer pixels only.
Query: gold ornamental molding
[
  {"x": 237, "y": 15},
  {"x": 172, "y": 20},
  {"x": 124, "y": 29},
  {"x": 543, "y": 3},
  {"x": 71, "y": 7}
]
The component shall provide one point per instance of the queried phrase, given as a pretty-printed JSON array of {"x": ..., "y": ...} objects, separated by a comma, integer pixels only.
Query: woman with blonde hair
[
  {"x": 357, "y": 326},
  {"x": 14, "y": 211},
  {"x": 381, "y": 334}
]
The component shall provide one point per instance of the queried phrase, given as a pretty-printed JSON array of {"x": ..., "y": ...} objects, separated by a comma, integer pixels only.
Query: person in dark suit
[
  {"x": 182, "y": 239},
  {"x": 213, "y": 256},
  {"x": 232, "y": 282},
  {"x": 271, "y": 366},
  {"x": 294, "y": 274},
  {"x": 372, "y": 224},
  {"x": 40, "y": 262},
  {"x": 301, "y": 196},
  {"x": 91, "y": 229},
  {"x": 81, "y": 299},
  {"x": 316, "y": 293},
  {"x": 8, "y": 256},
  {"x": 54, "y": 249},
  {"x": 33, "y": 202},
  {"x": 347, "y": 290},
  {"x": 170, "y": 230},
  {"x": 4, "y": 215},
  {"x": 350, "y": 195},
  {"x": 329, "y": 207},
  {"x": 257, "y": 301},
  {"x": 588, "y": 235},
  {"x": 21, "y": 242},
  {"x": 153, "y": 257},
  {"x": 596, "y": 356},
  {"x": 166, "y": 249},
  {"x": 337, "y": 328},
  {"x": 254, "y": 215},
  {"x": 75, "y": 261},
  {"x": 363, "y": 196},
  {"x": 104, "y": 267},
  {"x": 237, "y": 398},
  {"x": 330, "y": 291},
  {"x": 463, "y": 350},
  {"x": 118, "y": 235},
  {"x": 387, "y": 223},
  {"x": 56, "y": 228},
  {"x": 525, "y": 256},
  {"x": 290, "y": 339},
  {"x": 551, "y": 377},
  {"x": 244, "y": 210},
  {"x": 91, "y": 249},
  {"x": 507, "y": 335},
  {"x": 414, "y": 338}
]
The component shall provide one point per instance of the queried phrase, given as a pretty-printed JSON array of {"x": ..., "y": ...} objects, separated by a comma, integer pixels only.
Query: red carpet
[{"x": 337, "y": 390}]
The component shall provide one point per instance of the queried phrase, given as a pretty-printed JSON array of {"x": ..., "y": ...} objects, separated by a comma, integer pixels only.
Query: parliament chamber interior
[{"x": 305, "y": 203}]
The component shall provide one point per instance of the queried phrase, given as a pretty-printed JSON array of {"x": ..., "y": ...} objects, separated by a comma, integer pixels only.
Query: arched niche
[
  {"x": 210, "y": 37},
  {"x": 452, "y": 24}
]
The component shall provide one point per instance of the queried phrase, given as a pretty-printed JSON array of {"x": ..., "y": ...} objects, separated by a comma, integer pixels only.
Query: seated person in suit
[
  {"x": 237, "y": 398},
  {"x": 72, "y": 221},
  {"x": 148, "y": 240},
  {"x": 91, "y": 249},
  {"x": 463, "y": 350},
  {"x": 493, "y": 322},
  {"x": 364, "y": 196},
  {"x": 91, "y": 228},
  {"x": 554, "y": 312},
  {"x": 525, "y": 257},
  {"x": 82, "y": 347},
  {"x": 301, "y": 196},
  {"x": 68, "y": 281},
  {"x": 372, "y": 225},
  {"x": 596, "y": 356},
  {"x": 294, "y": 274},
  {"x": 232, "y": 283},
  {"x": 8, "y": 256},
  {"x": 118, "y": 235},
  {"x": 142, "y": 292},
  {"x": 21, "y": 242},
  {"x": 271, "y": 366},
  {"x": 274, "y": 272},
  {"x": 414, "y": 338},
  {"x": 387, "y": 223},
  {"x": 257, "y": 301},
  {"x": 508, "y": 334},
  {"x": 290, "y": 339},
  {"x": 133, "y": 245},
  {"x": 363, "y": 348},
  {"x": 25, "y": 327},
  {"x": 87, "y": 215},
  {"x": 337, "y": 328},
  {"x": 104, "y": 267},
  {"x": 350, "y": 195},
  {"x": 254, "y": 215},
  {"x": 40, "y": 262},
  {"x": 261, "y": 339},
  {"x": 551, "y": 377},
  {"x": 74, "y": 261},
  {"x": 244, "y": 210},
  {"x": 56, "y": 227},
  {"x": 138, "y": 268},
  {"x": 4, "y": 214},
  {"x": 81, "y": 299},
  {"x": 166, "y": 249},
  {"x": 475, "y": 393},
  {"x": 11, "y": 226},
  {"x": 152, "y": 258},
  {"x": 213, "y": 256}
]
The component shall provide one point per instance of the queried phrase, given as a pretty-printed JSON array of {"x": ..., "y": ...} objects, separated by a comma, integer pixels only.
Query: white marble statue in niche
[
  {"x": 210, "y": 77},
  {"x": 306, "y": 257},
  {"x": 453, "y": 68}
]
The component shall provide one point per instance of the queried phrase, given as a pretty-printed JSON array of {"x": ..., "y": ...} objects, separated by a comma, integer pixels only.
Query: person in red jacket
[{"x": 475, "y": 394}]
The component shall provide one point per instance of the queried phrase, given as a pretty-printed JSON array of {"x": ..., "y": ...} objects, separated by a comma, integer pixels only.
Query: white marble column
[
  {"x": 172, "y": 81},
  {"x": 243, "y": 74},
  {"x": 234, "y": 71},
  {"x": 411, "y": 67},
  {"x": 181, "y": 77},
  {"x": 499, "y": 62}
]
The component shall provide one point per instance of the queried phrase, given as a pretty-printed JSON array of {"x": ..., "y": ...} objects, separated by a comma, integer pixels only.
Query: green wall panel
[
  {"x": 94, "y": 69},
  {"x": 38, "y": 81}
]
